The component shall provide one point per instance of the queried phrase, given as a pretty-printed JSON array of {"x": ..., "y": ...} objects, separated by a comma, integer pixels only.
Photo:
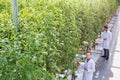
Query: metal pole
[{"x": 15, "y": 12}]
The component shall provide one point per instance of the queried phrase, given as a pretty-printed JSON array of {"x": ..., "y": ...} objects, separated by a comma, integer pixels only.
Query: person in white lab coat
[
  {"x": 106, "y": 35},
  {"x": 88, "y": 66}
]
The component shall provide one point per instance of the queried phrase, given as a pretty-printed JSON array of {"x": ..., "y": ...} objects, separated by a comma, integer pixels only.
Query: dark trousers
[{"x": 106, "y": 53}]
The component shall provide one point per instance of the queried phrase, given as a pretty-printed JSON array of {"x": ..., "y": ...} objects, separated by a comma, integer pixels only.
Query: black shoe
[
  {"x": 107, "y": 58},
  {"x": 103, "y": 56}
]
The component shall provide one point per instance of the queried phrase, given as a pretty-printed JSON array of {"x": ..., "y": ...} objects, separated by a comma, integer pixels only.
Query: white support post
[{"x": 15, "y": 12}]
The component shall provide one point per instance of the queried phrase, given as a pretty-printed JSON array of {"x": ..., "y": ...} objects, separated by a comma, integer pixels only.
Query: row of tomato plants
[{"x": 49, "y": 34}]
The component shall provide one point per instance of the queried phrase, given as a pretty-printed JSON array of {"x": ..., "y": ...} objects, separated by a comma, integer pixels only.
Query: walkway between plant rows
[{"x": 110, "y": 69}]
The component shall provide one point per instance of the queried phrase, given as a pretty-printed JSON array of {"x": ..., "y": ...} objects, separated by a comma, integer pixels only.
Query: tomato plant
[{"x": 50, "y": 34}]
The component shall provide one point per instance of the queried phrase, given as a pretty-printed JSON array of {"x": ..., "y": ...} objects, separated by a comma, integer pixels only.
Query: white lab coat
[
  {"x": 108, "y": 35},
  {"x": 99, "y": 46},
  {"x": 90, "y": 65}
]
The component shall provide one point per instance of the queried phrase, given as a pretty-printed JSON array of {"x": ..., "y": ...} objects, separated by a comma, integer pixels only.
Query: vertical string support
[{"x": 15, "y": 12}]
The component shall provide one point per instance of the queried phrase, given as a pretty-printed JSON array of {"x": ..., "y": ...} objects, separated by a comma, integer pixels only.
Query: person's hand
[
  {"x": 97, "y": 43},
  {"x": 76, "y": 76},
  {"x": 105, "y": 38},
  {"x": 85, "y": 69},
  {"x": 77, "y": 64}
]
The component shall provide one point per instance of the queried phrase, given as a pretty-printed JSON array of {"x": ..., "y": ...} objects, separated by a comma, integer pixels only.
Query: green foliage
[{"x": 50, "y": 34}]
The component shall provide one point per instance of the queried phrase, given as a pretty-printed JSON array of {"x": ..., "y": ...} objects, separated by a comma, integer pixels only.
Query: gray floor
[{"x": 110, "y": 69}]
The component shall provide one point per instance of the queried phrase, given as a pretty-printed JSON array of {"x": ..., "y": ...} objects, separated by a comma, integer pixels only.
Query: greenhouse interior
[{"x": 59, "y": 39}]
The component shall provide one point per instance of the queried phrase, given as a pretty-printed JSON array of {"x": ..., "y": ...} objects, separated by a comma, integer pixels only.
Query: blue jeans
[{"x": 106, "y": 53}]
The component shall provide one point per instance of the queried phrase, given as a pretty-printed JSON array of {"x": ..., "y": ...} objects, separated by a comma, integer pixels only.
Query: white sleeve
[
  {"x": 92, "y": 67},
  {"x": 102, "y": 35},
  {"x": 81, "y": 65},
  {"x": 110, "y": 35}
]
